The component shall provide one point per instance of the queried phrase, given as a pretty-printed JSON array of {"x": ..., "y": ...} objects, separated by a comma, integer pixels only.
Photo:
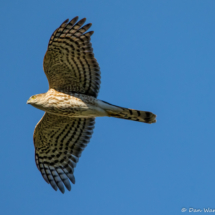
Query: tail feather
[{"x": 135, "y": 115}]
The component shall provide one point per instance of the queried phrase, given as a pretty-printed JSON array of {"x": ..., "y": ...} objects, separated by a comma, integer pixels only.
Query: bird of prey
[{"x": 71, "y": 104}]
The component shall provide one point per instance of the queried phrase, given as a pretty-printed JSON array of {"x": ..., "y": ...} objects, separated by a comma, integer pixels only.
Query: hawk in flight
[{"x": 71, "y": 104}]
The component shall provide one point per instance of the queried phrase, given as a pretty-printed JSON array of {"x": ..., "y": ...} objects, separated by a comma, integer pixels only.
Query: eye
[{"x": 33, "y": 97}]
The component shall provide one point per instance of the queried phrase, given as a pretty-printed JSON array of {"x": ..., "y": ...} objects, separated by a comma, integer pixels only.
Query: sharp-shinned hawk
[{"x": 70, "y": 104}]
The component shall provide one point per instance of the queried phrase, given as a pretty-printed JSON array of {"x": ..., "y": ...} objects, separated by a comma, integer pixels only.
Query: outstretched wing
[
  {"x": 69, "y": 62},
  {"x": 58, "y": 143}
]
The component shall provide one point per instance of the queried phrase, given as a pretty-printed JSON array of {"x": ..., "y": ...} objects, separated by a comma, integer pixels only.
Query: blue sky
[{"x": 154, "y": 55}]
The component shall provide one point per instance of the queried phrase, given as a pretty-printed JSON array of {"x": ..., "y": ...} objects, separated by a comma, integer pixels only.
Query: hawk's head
[
  {"x": 33, "y": 99},
  {"x": 38, "y": 101}
]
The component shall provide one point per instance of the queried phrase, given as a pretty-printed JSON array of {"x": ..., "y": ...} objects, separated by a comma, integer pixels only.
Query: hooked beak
[{"x": 28, "y": 102}]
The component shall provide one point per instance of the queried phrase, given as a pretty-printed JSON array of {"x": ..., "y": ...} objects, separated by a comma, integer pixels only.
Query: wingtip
[
  {"x": 89, "y": 25},
  {"x": 61, "y": 188},
  {"x": 90, "y": 33},
  {"x": 66, "y": 21}
]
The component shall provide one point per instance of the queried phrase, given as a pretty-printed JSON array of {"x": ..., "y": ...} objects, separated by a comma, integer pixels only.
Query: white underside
[
  {"x": 91, "y": 111},
  {"x": 100, "y": 109}
]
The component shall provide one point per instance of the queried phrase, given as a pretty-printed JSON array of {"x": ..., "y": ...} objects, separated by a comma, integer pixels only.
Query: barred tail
[{"x": 135, "y": 115}]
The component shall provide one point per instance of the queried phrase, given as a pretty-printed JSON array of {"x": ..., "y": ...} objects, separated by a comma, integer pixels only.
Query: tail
[{"x": 130, "y": 114}]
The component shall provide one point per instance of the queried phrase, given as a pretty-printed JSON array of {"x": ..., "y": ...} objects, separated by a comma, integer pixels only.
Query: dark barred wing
[
  {"x": 59, "y": 142},
  {"x": 69, "y": 62}
]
